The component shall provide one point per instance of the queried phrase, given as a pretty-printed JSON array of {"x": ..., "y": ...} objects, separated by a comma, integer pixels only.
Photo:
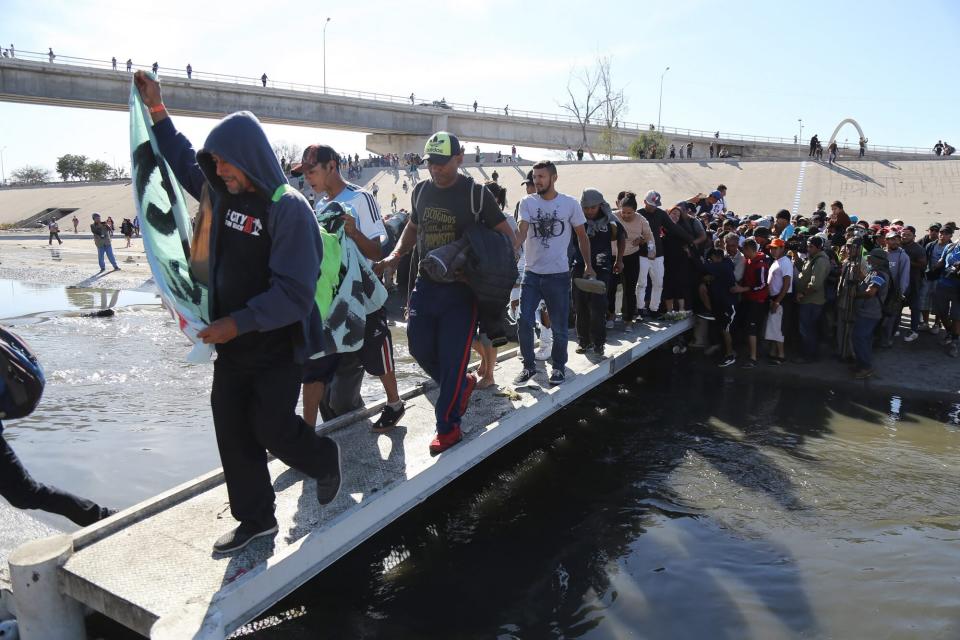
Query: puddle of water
[{"x": 18, "y": 299}]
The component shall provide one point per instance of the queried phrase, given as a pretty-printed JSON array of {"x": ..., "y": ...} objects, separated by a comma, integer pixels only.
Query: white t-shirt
[
  {"x": 551, "y": 224},
  {"x": 781, "y": 267},
  {"x": 365, "y": 209}
]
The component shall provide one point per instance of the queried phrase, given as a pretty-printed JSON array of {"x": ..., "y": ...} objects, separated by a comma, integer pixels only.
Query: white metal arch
[{"x": 833, "y": 136}]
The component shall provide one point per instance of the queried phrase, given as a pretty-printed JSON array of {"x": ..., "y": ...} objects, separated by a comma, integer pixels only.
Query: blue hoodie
[{"x": 264, "y": 256}]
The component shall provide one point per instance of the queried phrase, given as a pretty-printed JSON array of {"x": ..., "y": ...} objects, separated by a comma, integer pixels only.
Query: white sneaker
[
  {"x": 910, "y": 337},
  {"x": 609, "y": 324}
]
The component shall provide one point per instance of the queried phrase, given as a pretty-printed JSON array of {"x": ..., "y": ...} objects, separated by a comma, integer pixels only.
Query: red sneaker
[
  {"x": 444, "y": 441},
  {"x": 465, "y": 398}
]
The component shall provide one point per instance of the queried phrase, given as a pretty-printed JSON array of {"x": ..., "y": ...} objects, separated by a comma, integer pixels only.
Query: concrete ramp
[{"x": 919, "y": 191}]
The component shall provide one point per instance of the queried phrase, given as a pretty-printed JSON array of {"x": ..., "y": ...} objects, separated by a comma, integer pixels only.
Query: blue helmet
[{"x": 21, "y": 377}]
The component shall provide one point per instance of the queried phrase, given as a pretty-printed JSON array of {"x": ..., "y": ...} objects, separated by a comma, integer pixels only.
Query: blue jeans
[
  {"x": 862, "y": 339},
  {"x": 554, "y": 289},
  {"x": 443, "y": 319},
  {"x": 108, "y": 251},
  {"x": 809, "y": 316}
]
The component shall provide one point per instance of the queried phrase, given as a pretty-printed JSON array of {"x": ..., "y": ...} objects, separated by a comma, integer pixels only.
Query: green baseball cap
[{"x": 440, "y": 147}]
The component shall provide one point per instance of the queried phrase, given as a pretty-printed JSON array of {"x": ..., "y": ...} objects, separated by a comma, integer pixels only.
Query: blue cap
[{"x": 716, "y": 194}]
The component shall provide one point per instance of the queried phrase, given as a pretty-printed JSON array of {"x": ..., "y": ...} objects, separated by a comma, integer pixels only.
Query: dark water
[{"x": 675, "y": 501}]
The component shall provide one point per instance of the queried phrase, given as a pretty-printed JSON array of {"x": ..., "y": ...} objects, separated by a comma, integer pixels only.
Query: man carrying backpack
[{"x": 443, "y": 315}]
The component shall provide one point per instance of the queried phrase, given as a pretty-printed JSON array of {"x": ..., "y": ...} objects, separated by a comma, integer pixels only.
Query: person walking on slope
[
  {"x": 265, "y": 253},
  {"x": 443, "y": 315}
]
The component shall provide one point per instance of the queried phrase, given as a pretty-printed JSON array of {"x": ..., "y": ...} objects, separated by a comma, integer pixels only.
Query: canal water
[{"x": 675, "y": 501}]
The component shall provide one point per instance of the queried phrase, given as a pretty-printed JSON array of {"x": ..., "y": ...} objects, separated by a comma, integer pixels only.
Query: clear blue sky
[{"x": 746, "y": 67}]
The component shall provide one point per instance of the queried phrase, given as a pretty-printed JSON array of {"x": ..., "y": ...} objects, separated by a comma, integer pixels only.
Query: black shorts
[
  {"x": 376, "y": 354},
  {"x": 754, "y": 315},
  {"x": 725, "y": 315}
]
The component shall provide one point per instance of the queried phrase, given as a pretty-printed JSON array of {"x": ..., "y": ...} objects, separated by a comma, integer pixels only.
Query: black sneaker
[
  {"x": 328, "y": 486},
  {"x": 706, "y": 315},
  {"x": 557, "y": 377},
  {"x": 241, "y": 537},
  {"x": 524, "y": 376},
  {"x": 749, "y": 364},
  {"x": 388, "y": 419},
  {"x": 599, "y": 350},
  {"x": 583, "y": 348},
  {"x": 729, "y": 360}
]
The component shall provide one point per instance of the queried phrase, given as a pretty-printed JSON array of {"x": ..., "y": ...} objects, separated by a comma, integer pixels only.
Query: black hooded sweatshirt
[{"x": 265, "y": 245}]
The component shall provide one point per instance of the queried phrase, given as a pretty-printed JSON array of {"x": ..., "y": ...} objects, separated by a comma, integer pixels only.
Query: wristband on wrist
[{"x": 157, "y": 108}]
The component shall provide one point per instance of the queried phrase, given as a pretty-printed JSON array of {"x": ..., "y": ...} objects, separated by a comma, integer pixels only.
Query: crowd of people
[{"x": 297, "y": 296}]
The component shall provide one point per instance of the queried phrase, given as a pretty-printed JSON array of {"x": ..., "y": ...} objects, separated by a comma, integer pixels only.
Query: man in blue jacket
[{"x": 265, "y": 252}]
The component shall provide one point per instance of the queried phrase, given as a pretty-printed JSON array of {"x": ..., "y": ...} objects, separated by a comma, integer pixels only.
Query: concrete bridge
[{"x": 393, "y": 124}]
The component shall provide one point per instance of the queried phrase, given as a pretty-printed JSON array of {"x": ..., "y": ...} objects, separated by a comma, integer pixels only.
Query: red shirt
[{"x": 755, "y": 277}]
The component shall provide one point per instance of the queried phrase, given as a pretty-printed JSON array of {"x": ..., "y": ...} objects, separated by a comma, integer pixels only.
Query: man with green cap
[{"x": 443, "y": 315}]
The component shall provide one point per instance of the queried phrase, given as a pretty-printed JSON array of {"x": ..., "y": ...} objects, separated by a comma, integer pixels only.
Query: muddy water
[
  {"x": 123, "y": 416},
  {"x": 676, "y": 501}
]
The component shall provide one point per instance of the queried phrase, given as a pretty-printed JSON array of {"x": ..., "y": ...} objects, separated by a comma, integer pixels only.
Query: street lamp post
[
  {"x": 660, "y": 108},
  {"x": 800, "y": 138},
  {"x": 3, "y": 172},
  {"x": 325, "y": 54}
]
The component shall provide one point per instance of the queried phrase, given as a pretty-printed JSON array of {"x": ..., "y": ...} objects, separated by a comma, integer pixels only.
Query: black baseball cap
[
  {"x": 440, "y": 147},
  {"x": 312, "y": 156},
  {"x": 528, "y": 179}
]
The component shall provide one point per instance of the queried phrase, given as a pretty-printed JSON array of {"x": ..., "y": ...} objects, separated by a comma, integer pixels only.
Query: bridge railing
[{"x": 624, "y": 128}]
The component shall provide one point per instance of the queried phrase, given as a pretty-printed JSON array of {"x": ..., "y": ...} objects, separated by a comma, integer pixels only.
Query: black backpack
[{"x": 21, "y": 377}]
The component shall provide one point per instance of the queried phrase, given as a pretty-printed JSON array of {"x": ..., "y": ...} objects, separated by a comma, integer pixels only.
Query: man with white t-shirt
[
  {"x": 780, "y": 284},
  {"x": 547, "y": 221},
  {"x": 333, "y": 382}
]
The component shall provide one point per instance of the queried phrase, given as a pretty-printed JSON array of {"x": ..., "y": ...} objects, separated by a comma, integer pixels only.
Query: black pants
[
  {"x": 55, "y": 234},
  {"x": 23, "y": 492},
  {"x": 628, "y": 278},
  {"x": 591, "y": 312},
  {"x": 254, "y": 411}
]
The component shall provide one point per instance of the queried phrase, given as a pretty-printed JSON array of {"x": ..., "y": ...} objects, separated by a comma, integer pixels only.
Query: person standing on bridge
[
  {"x": 156, "y": 67},
  {"x": 263, "y": 79},
  {"x": 265, "y": 253},
  {"x": 50, "y": 55},
  {"x": 506, "y": 110},
  {"x": 412, "y": 98},
  {"x": 475, "y": 105},
  {"x": 113, "y": 62},
  {"x": 189, "y": 71},
  {"x": 548, "y": 220},
  {"x": 443, "y": 315},
  {"x": 331, "y": 384},
  {"x": 832, "y": 149},
  {"x": 129, "y": 65}
]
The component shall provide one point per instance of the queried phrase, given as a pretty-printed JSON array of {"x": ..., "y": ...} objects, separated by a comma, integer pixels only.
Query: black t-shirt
[{"x": 442, "y": 215}]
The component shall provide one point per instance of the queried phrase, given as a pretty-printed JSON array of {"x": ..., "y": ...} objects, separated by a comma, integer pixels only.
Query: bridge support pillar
[
  {"x": 43, "y": 612},
  {"x": 384, "y": 143}
]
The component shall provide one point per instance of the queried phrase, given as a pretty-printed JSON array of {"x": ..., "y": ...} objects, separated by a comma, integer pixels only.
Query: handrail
[{"x": 725, "y": 138}]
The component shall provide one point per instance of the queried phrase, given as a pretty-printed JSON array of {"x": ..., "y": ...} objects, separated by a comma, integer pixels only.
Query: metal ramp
[{"x": 151, "y": 567}]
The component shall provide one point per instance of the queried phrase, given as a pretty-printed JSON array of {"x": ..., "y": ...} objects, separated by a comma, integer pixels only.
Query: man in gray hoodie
[{"x": 265, "y": 252}]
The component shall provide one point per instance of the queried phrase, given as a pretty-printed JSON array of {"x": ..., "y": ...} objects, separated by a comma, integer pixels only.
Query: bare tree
[
  {"x": 584, "y": 98},
  {"x": 614, "y": 107},
  {"x": 287, "y": 152}
]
